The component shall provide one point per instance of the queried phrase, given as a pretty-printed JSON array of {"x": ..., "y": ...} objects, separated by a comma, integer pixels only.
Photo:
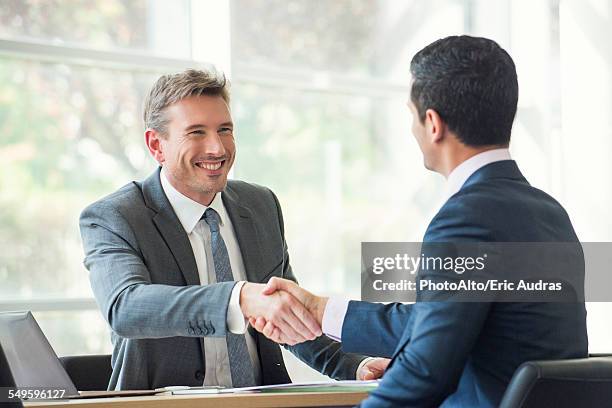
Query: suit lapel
[
  {"x": 246, "y": 234},
  {"x": 170, "y": 228}
]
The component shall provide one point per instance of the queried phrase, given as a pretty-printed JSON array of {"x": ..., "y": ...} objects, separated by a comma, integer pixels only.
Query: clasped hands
[
  {"x": 288, "y": 314},
  {"x": 283, "y": 311}
]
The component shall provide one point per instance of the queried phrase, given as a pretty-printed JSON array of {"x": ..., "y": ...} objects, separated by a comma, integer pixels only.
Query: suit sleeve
[
  {"x": 132, "y": 305},
  {"x": 322, "y": 353},
  {"x": 374, "y": 329},
  {"x": 428, "y": 365}
]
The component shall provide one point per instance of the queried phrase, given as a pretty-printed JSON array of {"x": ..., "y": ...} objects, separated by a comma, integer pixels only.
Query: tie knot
[{"x": 212, "y": 219}]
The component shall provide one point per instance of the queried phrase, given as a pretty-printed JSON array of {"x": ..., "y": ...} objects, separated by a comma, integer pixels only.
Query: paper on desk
[{"x": 321, "y": 385}]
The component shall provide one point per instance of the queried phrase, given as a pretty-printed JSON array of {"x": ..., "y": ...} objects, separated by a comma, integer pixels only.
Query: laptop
[{"x": 33, "y": 361}]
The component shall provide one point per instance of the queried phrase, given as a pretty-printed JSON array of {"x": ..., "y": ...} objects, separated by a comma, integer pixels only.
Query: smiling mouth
[{"x": 210, "y": 165}]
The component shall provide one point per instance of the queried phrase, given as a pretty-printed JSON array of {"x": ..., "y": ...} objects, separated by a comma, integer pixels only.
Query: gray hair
[{"x": 169, "y": 89}]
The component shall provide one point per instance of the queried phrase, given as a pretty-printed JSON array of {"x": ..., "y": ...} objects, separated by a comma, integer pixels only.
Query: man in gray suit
[{"x": 177, "y": 262}]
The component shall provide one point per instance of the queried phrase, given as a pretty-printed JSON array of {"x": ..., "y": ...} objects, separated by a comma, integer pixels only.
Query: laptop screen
[{"x": 31, "y": 358}]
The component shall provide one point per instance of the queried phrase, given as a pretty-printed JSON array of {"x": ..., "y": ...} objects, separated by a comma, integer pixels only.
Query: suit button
[{"x": 199, "y": 375}]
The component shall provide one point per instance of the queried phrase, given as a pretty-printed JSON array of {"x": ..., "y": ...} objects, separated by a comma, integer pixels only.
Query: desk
[{"x": 255, "y": 400}]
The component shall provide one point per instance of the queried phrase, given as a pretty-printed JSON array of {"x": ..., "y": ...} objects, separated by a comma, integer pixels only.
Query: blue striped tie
[{"x": 241, "y": 367}]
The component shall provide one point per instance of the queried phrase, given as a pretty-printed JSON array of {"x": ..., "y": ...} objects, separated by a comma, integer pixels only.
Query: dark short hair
[{"x": 471, "y": 83}]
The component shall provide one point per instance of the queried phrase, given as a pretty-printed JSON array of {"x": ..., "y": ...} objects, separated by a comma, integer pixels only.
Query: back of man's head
[{"x": 471, "y": 83}]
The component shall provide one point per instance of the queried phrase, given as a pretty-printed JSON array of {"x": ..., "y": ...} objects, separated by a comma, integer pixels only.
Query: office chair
[
  {"x": 88, "y": 373},
  {"x": 585, "y": 382},
  {"x": 6, "y": 380}
]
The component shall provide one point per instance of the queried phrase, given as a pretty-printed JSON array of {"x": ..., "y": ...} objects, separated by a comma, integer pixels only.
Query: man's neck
[{"x": 459, "y": 155}]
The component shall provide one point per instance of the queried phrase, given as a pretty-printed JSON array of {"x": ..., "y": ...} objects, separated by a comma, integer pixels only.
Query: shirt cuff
[
  {"x": 333, "y": 317},
  {"x": 236, "y": 322},
  {"x": 363, "y": 362}
]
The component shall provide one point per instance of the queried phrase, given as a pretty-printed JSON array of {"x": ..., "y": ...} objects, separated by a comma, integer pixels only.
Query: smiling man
[{"x": 177, "y": 262}]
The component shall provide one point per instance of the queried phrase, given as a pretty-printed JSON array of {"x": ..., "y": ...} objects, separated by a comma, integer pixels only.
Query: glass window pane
[
  {"x": 157, "y": 26},
  {"x": 358, "y": 37},
  {"x": 75, "y": 332},
  {"x": 346, "y": 170},
  {"x": 68, "y": 136}
]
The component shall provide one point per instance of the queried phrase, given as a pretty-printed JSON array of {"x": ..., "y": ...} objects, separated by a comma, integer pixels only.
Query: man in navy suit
[{"x": 461, "y": 354}]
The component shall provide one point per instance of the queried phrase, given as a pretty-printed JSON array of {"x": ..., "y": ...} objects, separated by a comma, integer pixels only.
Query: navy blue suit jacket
[{"x": 463, "y": 354}]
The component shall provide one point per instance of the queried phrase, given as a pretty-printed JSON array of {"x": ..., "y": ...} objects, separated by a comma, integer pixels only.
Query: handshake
[
  {"x": 288, "y": 314},
  {"x": 283, "y": 311}
]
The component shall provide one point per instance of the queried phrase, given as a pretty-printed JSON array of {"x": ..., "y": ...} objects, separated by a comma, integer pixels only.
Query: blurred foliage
[
  {"x": 317, "y": 34},
  {"x": 95, "y": 23},
  {"x": 68, "y": 135}
]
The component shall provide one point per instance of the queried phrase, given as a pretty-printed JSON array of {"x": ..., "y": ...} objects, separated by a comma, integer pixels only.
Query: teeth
[{"x": 210, "y": 166}]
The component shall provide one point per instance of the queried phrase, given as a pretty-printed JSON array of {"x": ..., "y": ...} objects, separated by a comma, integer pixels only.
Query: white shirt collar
[
  {"x": 187, "y": 210},
  {"x": 463, "y": 171}
]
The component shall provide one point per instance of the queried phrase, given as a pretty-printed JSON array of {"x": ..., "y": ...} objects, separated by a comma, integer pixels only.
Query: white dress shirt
[
  {"x": 335, "y": 310},
  {"x": 189, "y": 213}
]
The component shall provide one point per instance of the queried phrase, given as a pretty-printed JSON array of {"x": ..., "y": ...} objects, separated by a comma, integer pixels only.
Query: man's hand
[
  {"x": 314, "y": 304},
  {"x": 373, "y": 369},
  {"x": 292, "y": 321}
]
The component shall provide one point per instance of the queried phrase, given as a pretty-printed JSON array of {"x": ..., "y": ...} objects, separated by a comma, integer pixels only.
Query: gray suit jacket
[{"x": 145, "y": 281}]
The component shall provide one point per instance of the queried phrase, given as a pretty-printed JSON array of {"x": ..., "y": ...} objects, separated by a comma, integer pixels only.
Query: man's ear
[
  {"x": 435, "y": 126},
  {"x": 154, "y": 144}
]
